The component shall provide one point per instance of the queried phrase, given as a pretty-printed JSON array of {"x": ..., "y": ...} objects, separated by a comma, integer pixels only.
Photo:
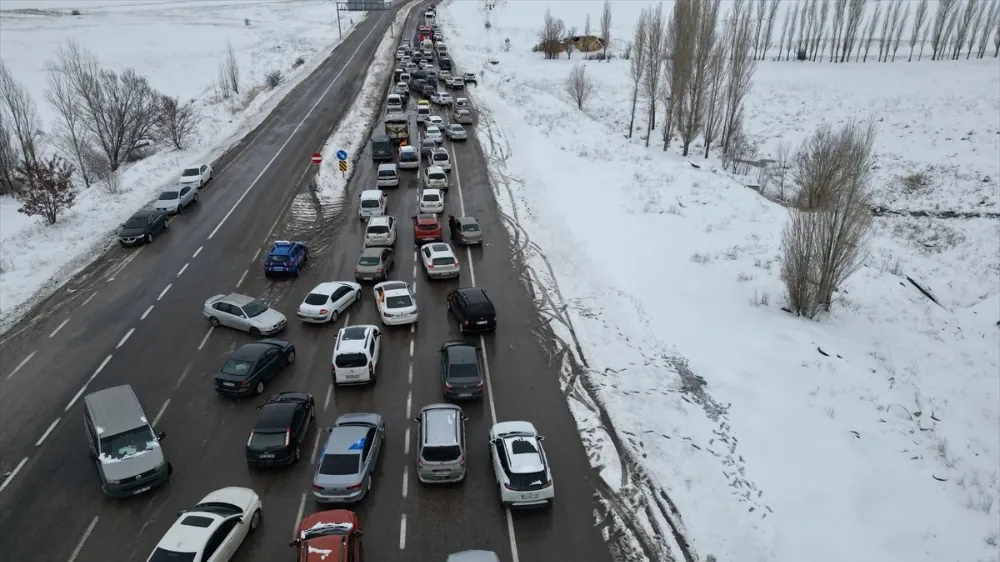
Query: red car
[
  {"x": 329, "y": 536},
  {"x": 426, "y": 228}
]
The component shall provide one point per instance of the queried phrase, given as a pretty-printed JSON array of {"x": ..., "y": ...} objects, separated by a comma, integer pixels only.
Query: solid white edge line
[
  {"x": 315, "y": 451},
  {"x": 242, "y": 277},
  {"x": 205, "y": 339},
  {"x": 90, "y": 298},
  {"x": 298, "y": 517},
  {"x": 255, "y": 255},
  {"x": 406, "y": 443},
  {"x": 21, "y": 364},
  {"x": 406, "y": 479},
  {"x": 83, "y": 539},
  {"x": 128, "y": 335},
  {"x": 329, "y": 393},
  {"x": 47, "y": 432},
  {"x": 145, "y": 314},
  {"x": 486, "y": 363},
  {"x": 13, "y": 473},
  {"x": 164, "y": 291},
  {"x": 402, "y": 531},
  {"x": 198, "y": 251},
  {"x": 295, "y": 130},
  {"x": 159, "y": 414},
  {"x": 59, "y": 327},
  {"x": 183, "y": 269}
]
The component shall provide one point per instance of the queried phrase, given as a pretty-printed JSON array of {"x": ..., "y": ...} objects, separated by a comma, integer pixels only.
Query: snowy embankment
[
  {"x": 167, "y": 42},
  {"x": 353, "y": 131},
  {"x": 870, "y": 435}
]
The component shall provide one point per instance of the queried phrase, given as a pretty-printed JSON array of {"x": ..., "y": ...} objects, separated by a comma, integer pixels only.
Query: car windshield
[
  {"x": 370, "y": 203},
  {"x": 369, "y": 260},
  {"x": 169, "y": 195},
  {"x": 401, "y": 301},
  {"x": 136, "y": 222},
  {"x": 129, "y": 443},
  {"x": 351, "y": 360},
  {"x": 190, "y": 172},
  {"x": 470, "y": 228},
  {"x": 442, "y": 453},
  {"x": 268, "y": 440},
  {"x": 164, "y": 555},
  {"x": 378, "y": 229},
  {"x": 254, "y": 309},
  {"x": 432, "y": 197},
  {"x": 340, "y": 465},
  {"x": 316, "y": 299},
  {"x": 237, "y": 367}
]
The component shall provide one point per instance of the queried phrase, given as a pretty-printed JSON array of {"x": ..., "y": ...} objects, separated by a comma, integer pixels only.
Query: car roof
[
  {"x": 144, "y": 213},
  {"x": 437, "y": 416},
  {"x": 189, "y": 538},
  {"x": 407, "y": 149},
  {"x": 354, "y": 333},
  {"x": 427, "y": 218},
  {"x": 326, "y": 288},
  {"x": 435, "y": 169},
  {"x": 523, "y": 462},
  {"x": 275, "y": 416},
  {"x": 440, "y": 248},
  {"x": 441, "y": 150},
  {"x": 372, "y": 252},
  {"x": 468, "y": 220},
  {"x": 238, "y": 299},
  {"x": 456, "y": 126},
  {"x": 474, "y": 294},
  {"x": 251, "y": 351},
  {"x": 386, "y": 167},
  {"x": 378, "y": 220},
  {"x": 344, "y": 439},
  {"x": 432, "y": 191},
  {"x": 282, "y": 248},
  {"x": 114, "y": 410},
  {"x": 371, "y": 194},
  {"x": 462, "y": 352}
]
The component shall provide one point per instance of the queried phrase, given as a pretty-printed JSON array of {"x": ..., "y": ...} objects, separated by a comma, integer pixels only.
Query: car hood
[
  {"x": 269, "y": 318},
  {"x": 130, "y": 467},
  {"x": 189, "y": 179},
  {"x": 240, "y": 497},
  {"x": 134, "y": 231}
]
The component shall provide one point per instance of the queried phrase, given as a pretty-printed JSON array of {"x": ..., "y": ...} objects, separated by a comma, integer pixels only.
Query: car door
[
  {"x": 186, "y": 195},
  {"x": 341, "y": 298},
  {"x": 224, "y": 313},
  {"x": 238, "y": 318},
  {"x": 373, "y": 349},
  {"x": 222, "y": 544},
  {"x": 388, "y": 258},
  {"x": 444, "y": 366},
  {"x": 204, "y": 172},
  {"x": 273, "y": 363},
  {"x": 299, "y": 418},
  {"x": 392, "y": 230},
  {"x": 426, "y": 257},
  {"x": 368, "y": 453}
]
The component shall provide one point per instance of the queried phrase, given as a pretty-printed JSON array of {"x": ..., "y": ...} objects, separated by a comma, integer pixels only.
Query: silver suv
[{"x": 440, "y": 444}]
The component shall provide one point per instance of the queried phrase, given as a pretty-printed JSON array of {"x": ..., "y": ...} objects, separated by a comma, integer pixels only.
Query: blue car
[{"x": 286, "y": 257}]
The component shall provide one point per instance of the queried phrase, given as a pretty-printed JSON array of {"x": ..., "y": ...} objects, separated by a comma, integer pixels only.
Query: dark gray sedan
[
  {"x": 374, "y": 264},
  {"x": 252, "y": 366},
  {"x": 460, "y": 374},
  {"x": 465, "y": 230},
  {"x": 344, "y": 470}
]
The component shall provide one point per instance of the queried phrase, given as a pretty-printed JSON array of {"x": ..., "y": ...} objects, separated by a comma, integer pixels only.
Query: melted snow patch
[
  {"x": 327, "y": 526},
  {"x": 323, "y": 553}
]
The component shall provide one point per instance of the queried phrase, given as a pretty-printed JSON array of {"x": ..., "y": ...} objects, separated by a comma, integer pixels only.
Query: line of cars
[{"x": 145, "y": 224}]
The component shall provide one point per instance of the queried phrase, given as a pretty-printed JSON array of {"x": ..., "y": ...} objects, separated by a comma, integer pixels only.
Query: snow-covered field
[
  {"x": 178, "y": 45},
  {"x": 871, "y": 435}
]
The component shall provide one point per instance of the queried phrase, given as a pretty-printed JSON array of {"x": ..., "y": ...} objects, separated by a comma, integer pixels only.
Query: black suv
[
  {"x": 473, "y": 309},
  {"x": 460, "y": 375},
  {"x": 281, "y": 427}
]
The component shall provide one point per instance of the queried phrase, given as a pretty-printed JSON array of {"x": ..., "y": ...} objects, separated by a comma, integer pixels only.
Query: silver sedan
[
  {"x": 244, "y": 313},
  {"x": 344, "y": 471},
  {"x": 455, "y": 132}
]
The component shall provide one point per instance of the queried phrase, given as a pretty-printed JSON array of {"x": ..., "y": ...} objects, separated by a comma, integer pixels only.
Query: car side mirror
[
  {"x": 327, "y": 429},
  {"x": 359, "y": 532},
  {"x": 416, "y": 420},
  {"x": 465, "y": 418},
  {"x": 295, "y": 542},
  {"x": 541, "y": 438},
  {"x": 161, "y": 435},
  {"x": 181, "y": 512},
  {"x": 259, "y": 406}
]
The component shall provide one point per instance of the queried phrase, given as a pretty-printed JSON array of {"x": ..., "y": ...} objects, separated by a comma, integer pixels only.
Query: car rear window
[
  {"x": 370, "y": 203},
  {"x": 443, "y": 261},
  {"x": 369, "y": 260},
  {"x": 427, "y": 227},
  {"x": 378, "y": 229},
  {"x": 401, "y": 301},
  {"x": 424, "y": 110},
  {"x": 237, "y": 367},
  {"x": 441, "y": 156},
  {"x": 437, "y": 176},
  {"x": 316, "y": 299},
  {"x": 340, "y": 465},
  {"x": 164, "y": 555},
  {"x": 431, "y": 197},
  {"x": 470, "y": 228},
  {"x": 387, "y": 173},
  {"x": 351, "y": 360},
  {"x": 267, "y": 440},
  {"x": 442, "y": 453},
  {"x": 277, "y": 258},
  {"x": 407, "y": 156}
]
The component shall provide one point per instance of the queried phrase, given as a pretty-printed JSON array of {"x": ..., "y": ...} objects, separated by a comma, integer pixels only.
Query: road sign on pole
[
  {"x": 341, "y": 155},
  {"x": 317, "y": 158},
  {"x": 343, "y": 168}
]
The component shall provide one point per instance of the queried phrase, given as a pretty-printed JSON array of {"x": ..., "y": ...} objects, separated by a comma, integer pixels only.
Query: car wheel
[
  {"x": 196, "y": 197},
  {"x": 255, "y": 520},
  {"x": 214, "y": 321},
  {"x": 333, "y": 316},
  {"x": 259, "y": 389},
  {"x": 180, "y": 208},
  {"x": 166, "y": 224},
  {"x": 255, "y": 332},
  {"x": 149, "y": 238},
  {"x": 291, "y": 357},
  {"x": 298, "y": 454},
  {"x": 357, "y": 296}
]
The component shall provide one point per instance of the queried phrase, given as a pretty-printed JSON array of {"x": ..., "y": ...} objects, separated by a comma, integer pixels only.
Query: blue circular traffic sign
[{"x": 341, "y": 155}]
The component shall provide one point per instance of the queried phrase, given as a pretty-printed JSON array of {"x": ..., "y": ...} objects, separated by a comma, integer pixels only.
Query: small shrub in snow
[
  {"x": 299, "y": 61},
  {"x": 75, "y": 13},
  {"x": 246, "y": 22},
  {"x": 760, "y": 299},
  {"x": 112, "y": 182},
  {"x": 992, "y": 540},
  {"x": 229, "y": 73},
  {"x": 698, "y": 257},
  {"x": 176, "y": 122},
  {"x": 914, "y": 182},
  {"x": 47, "y": 188},
  {"x": 273, "y": 79},
  {"x": 744, "y": 277},
  {"x": 579, "y": 86}
]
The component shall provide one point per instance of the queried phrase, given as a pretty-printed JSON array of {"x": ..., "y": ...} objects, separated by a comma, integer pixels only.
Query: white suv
[
  {"x": 380, "y": 232},
  {"x": 439, "y": 261},
  {"x": 435, "y": 176},
  {"x": 441, "y": 159},
  {"x": 520, "y": 465},
  {"x": 355, "y": 356}
]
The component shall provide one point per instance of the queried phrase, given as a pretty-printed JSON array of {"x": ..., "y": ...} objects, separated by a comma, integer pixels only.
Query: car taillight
[
  {"x": 506, "y": 485},
  {"x": 480, "y": 385},
  {"x": 386, "y": 315},
  {"x": 448, "y": 387},
  {"x": 465, "y": 322},
  {"x": 547, "y": 483},
  {"x": 333, "y": 369},
  {"x": 420, "y": 461},
  {"x": 355, "y": 486},
  {"x": 430, "y": 266},
  {"x": 456, "y": 262},
  {"x": 461, "y": 460},
  {"x": 245, "y": 383},
  {"x": 317, "y": 487},
  {"x": 355, "y": 270},
  {"x": 323, "y": 311},
  {"x": 288, "y": 437},
  {"x": 250, "y": 439},
  {"x": 378, "y": 270}
]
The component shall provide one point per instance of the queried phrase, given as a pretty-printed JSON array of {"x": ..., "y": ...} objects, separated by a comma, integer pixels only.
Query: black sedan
[
  {"x": 142, "y": 226},
  {"x": 250, "y": 367},
  {"x": 460, "y": 374},
  {"x": 281, "y": 427}
]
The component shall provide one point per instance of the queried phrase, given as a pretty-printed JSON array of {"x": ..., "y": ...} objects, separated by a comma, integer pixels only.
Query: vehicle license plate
[
  {"x": 482, "y": 322},
  {"x": 229, "y": 384},
  {"x": 465, "y": 395},
  {"x": 141, "y": 490},
  {"x": 267, "y": 455},
  {"x": 353, "y": 377},
  {"x": 530, "y": 496},
  {"x": 367, "y": 278}
]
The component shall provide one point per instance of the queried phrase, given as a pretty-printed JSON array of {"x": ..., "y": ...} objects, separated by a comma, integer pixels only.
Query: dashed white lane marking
[
  {"x": 255, "y": 255},
  {"x": 347, "y": 319},
  {"x": 242, "y": 277},
  {"x": 308, "y": 115},
  {"x": 159, "y": 414},
  {"x": 59, "y": 327},
  {"x": 406, "y": 479},
  {"x": 315, "y": 450},
  {"x": 83, "y": 539},
  {"x": 145, "y": 314},
  {"x": 198, "y": 251},
  {"x": 409, "y": 404},
  {"x": 402, "y": 532},
  {"x": 411, "y": 348},
  {"x": 298, "y": 517},
  {"x": 409, "y": 374},
  {"x": 204, "y": 340},
  {"x": 413, "y": 328},
  {"x": 83, "y": 389},
  {"x": 164, "y": 291},
  {"x": 183, "y": 269},
  {"x": 414, "y": 271},
  {"x": 326, "y": 401},
  {"x": 47, "y": 432},
  {"x": 183, "y": 375},
  {"x": 90, "y": 298},
  {"x": 128, "y": 335},
  {"x": 13, "y": 473},
  {"x": 416, "y": 257},
  {"x": 406, "y": 444},
  {"x": 21, "y": 364}
]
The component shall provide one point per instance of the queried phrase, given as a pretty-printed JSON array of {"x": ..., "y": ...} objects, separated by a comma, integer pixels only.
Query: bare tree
[
  {"x": 869, "y": 36},
  {"x": 715, "y": 100},
  {"x": 780, "y": 169},
  {"x": 918, "y": 23},
  {"x": 550, "y": 36},
  {"x": 586, "y": 26},
  {"x": 231, "y": 69},
  {"x": 996, "y": 38},
  {"x": 819, "y": 35},
  {"x": 176, "y": 122},
  {"x": 942, "y": 20},
  {"x": 923, "y": 39},
  {"x": 579, "y": 86},
  {"x": 706, "y": 16},
  {"x": 973, "y": 28},
  {"x": 20, "y": 114},
  {"x": 839, "y": 11},
  {"x": 740, "y": 71},
  {"x": 855, "y": 15},
  {"x": 791, "y": 31},
  {"x": 806, "y": 19},
  {"x": 112, "y": 181},
  {"x": 654, "y": 64},
  {"x": 963, "y": 24},
  {"x": 605, "y": 29},
  {"x": 772, "y": 14},
  {"x": 889, "y": 23},
  {"x": 679, "y": 49},
  {"x": 984, "y": 28},
  {"x": 70, "y": 129},
  {"x": 48, "y": 189},
  {"x": 637, "y": 62},
  {"x": 568, "y": 44},
  {"x": 9, "y": 159},
  {"x": 899, "y": 31},
  {"x": 784, "y": 30},
  {"x": 760, "y": 14}
]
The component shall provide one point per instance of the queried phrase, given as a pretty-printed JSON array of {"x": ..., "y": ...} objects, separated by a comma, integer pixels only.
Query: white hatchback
[
  {"x": 439, "y": 261},
  {"x": 213, "y": 529},
  {"x": 441, "y": 159},
  {"x": 380, "y": 232},
  {"x": 397, "y": 305},
  {"x": 431, "y": 201},
  {"x": 327, "y": 301},
  {"x": 388, "y": 175},
  {"x": 433, "y": 132},
  {"x": 435, "y": 176},
  {"x": 356, "y": 354}
]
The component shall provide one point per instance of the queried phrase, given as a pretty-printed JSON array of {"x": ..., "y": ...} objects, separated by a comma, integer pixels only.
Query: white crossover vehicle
[
  {"x": 434, "y": 133},
  {"x": 356, "y": 354},
  {"x": 439, "y": 261},
  {"x": 431, "y": 201},
  {"x": 396, "y": 303},
  {"x": 441, "y": 159},
  {"x": 174, "y": 200},
  {"x": 435, "y": 120},
  {"x": 520, "y": 465},
  {"x": 444, "y": 98},
  {"x": 212, "y": 530},
  {"x": 434, "y": 176},
  {"x": 380, "y": 232},
  {"x": 198, "y": 176},
  {"x": 409, "y": 158},
  {"x": 327, "y": 301}
]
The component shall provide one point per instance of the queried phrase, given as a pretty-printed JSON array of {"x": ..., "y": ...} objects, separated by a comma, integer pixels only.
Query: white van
[
  {"x": 356, "y": 354},
  {"x": 388, "y": 175},
  {"x": 373, "y": 203},
  {"x": 426, "y": 45},
  {"x": 394, "y": 102}
]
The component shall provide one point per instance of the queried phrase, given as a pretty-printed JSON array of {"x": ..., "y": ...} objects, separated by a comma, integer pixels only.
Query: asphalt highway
[{"x": 135, "y": 317}]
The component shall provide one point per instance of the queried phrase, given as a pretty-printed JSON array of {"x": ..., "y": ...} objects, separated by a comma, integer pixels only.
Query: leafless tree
[
  {"x": 779, "y": 171},
  {"x": 942, "y": 21},
  {"x": 855, "y": 15},
  {"x": 9, "y": 159},
  {"x": 772, "y": 15},
  {"x": 654, "y": 64},
  {"x": 742, "y": 151},
  {"x": 974, "y": 28},
  {"x": 784, "y": 30},
  {"x": 869, "y": 36},
  {"x": 996, "y": 38},
  {"x": 806, "y": 17},
  {"x": 72, "y": 136},
  {"x": 964, "y": 23},
  {"x": 759, "y": 16},
  {"x": 176, "y": 122},
  {"x": 605, "y": 29},
  {"x": 550, "y": 36},
  {"x": 20, "y": 115},
  {"x": 679, "y": 49},
  {"x": 579, "y": 86},
  {"x": 586, "y": 26},
  {"x": 693, "y": 100},
  {"x": 918, "y": 23},
  {"x": 792, "y": 27},
  {"x": 820, "y": 32},
  {"x": 740, "y": 71},
  {"x": 923, "y": 39},
  {"x": 985, "y": 26},
  {"x": 837, "y": 27},
  {"x": 889, "y": 23},
  {"x": 231, "y": 69},
  {"x": 825, "y": 244},
  {"x": 899, "y": 31},
  {"x": 112, "y": 182},
  {"x": 568, "y": 45},
  {"x": 714, "y": 102},
  {"x": 637, "y": 63},
  {"x": 47, "y": 187}
]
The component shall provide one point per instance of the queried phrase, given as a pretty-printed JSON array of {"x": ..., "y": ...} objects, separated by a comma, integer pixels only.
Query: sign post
[
  {"x": 342, "y": 162},
  {"x": 317, "y": 158}
]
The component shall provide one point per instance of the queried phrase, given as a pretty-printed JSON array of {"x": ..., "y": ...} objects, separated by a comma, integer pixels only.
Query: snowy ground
[
  {"x": 179, "y": 45},
  {"x": 871, "y": 435}
]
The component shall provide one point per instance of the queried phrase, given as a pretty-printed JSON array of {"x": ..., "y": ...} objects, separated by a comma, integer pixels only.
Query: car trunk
[
  {"x": 268, "y": 446},
  {"x": 337, "y": 475},
  {"x": 441, "y": 462}
]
